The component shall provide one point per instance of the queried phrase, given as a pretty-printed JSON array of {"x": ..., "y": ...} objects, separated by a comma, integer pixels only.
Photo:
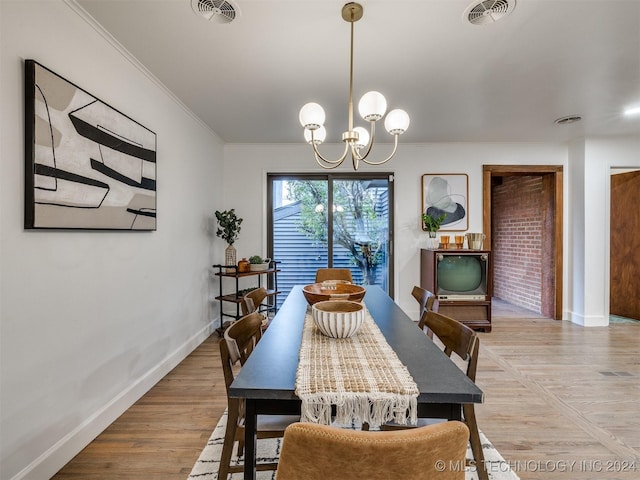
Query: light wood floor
[{"x": 561, "y": 402}]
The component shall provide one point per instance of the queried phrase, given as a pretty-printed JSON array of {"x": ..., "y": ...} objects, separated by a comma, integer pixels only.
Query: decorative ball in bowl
[
  {"x": 338, "y": 318},
  {"x": 320, "y": 292}
]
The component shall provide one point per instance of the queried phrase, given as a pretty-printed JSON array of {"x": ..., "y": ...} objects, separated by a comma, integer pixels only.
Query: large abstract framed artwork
[
  {"x": 87, "y": 166},
  {"x": 447, "y": 194}
]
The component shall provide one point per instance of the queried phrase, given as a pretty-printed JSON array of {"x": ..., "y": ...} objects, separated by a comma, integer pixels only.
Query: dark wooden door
[{"x": 624, "y": 296}]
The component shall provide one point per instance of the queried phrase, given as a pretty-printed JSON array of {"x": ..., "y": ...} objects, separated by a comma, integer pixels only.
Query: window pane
[
  {"x": 299, "y": 231},
  {"x": 361, "y": 229}
]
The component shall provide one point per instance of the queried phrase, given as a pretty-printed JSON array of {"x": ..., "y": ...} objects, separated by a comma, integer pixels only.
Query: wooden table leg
[{"x": 250, "y": 440}]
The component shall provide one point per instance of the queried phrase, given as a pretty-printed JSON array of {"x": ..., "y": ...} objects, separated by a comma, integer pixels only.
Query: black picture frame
[{"x": 87, "y": 165}]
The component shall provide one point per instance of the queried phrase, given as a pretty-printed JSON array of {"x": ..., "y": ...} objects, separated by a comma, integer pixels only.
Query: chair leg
[
  {"x": 241, "y": 447},
  {"x": 229, "y": 440},
  {"x": 474, "y": 439}
]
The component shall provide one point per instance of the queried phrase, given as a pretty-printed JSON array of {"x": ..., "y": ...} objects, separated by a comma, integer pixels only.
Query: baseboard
[
  {"x": 589, "y": 320},
  {"x": 56, "y": 457}
]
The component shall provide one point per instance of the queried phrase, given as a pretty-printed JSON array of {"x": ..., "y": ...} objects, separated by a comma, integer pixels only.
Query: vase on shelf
[{"x": 230, "y": 257}]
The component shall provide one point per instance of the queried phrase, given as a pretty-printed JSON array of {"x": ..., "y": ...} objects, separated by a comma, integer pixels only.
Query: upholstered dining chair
[
  {"x": 324, "y": 274},
  {"x": 251, "y": 301},
  {"x": 320, "y": 452},
  {"x": 239, "y": 341},
  {"x": 464, "y": 342}
]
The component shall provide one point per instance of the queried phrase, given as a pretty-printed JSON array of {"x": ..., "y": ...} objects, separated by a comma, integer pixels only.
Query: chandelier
[{"x": 372, "y": 107}]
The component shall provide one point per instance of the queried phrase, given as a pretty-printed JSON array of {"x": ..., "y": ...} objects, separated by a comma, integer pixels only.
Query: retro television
[{"x": 456, "y": 275}]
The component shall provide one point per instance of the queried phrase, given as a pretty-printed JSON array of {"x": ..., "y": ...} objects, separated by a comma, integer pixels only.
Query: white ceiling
[{"x": 507, "y": 81}]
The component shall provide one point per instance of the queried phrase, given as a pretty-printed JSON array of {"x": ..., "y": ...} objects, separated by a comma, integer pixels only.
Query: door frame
[{"x": 552, "y": 178}]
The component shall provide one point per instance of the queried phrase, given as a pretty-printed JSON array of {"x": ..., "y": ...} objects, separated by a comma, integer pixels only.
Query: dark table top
[{"x": 270, "y": 371}]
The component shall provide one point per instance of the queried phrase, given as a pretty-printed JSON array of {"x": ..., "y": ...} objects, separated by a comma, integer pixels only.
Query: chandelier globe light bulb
[
  {"x": 372, "y": 106},
  {"x": 396, "y": 122},
  {"x": 363, "y": 137},
  {"x": 312, "y": 116}
]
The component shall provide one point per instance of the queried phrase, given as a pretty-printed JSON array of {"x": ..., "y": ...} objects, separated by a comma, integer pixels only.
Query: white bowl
[{"x": 338, "y": 318}]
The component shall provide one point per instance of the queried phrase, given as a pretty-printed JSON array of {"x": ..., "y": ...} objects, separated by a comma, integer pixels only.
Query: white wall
[
  {"x": 590, "y": 163},
  {"x": 90, "y": 320},
  {"x": 249, "y": 164}
]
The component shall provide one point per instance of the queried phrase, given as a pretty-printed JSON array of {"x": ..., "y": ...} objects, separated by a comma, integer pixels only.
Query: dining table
[{"x": 267, "y": 381}]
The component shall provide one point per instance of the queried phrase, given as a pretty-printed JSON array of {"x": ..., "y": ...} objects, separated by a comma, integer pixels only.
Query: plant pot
[
  {"x": 431, "y": 240},
  {"x": 259, "y": 267}
]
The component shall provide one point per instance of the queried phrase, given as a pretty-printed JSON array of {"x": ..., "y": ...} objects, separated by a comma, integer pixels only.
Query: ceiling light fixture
[
  {"x": 372, "y": 108},
  {"x": 632, "y": 111}
]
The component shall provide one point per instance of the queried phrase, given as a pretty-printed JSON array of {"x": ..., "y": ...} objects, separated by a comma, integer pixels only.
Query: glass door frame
[{"x": 330, "y": 177}]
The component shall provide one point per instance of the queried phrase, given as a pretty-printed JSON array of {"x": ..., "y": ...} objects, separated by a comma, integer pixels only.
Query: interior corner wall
[
  {"x": 590, "y": 162},
  {"x": 574, "y": 303},
  {"x": 89, "y": 321}
]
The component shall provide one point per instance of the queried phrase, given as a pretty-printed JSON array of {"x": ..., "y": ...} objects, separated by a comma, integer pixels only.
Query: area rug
[{"x": 206, "y": 467}]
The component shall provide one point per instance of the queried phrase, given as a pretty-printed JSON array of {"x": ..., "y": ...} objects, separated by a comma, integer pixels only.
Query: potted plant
[
  {"x": 258, "y": 264},
  {"x": 228, "y": 229},
  {"x": 432, "y": 224}
]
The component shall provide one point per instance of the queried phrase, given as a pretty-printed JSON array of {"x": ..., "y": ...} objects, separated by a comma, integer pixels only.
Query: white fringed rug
[{"x": 206, "y": 467}]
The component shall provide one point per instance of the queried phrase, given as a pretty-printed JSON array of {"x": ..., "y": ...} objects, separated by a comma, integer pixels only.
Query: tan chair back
[
  {"x": 324, "y": 274},
  {"x": 319, "y": 452}
]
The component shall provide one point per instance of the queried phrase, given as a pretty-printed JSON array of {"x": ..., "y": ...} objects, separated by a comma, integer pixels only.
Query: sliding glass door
[{"x": 331, "y": 220}]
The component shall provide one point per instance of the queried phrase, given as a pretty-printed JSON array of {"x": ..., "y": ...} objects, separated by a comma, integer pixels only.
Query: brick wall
[{"x": 517, "y": 221}]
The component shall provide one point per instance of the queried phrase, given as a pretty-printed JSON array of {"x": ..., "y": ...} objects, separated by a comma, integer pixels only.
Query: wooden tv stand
[{"x": 473, "y": 313}]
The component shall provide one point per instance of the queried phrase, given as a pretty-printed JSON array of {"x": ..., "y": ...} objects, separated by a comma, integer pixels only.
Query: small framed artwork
[
  {"x": 87, "y": 165},
  {"x": 447, "y": 193}
]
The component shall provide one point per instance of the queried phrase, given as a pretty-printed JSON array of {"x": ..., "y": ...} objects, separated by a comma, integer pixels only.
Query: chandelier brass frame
[{"x": 372, "y": 107}]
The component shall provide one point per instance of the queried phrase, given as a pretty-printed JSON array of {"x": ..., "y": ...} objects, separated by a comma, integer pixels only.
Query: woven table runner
[{"x": 361, "y": 376}]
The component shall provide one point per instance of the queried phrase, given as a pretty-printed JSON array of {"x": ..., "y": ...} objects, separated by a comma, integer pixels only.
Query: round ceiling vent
[
  {"x": 489, "y": 11},
  {"x": 218, "y": 11}
]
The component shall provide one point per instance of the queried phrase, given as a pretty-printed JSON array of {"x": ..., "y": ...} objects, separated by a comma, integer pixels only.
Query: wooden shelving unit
[{"x": 235, "y": 296}]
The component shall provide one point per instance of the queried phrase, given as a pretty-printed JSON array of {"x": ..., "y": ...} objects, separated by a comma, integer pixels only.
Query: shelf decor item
[
  {"x": 431, "y": 224},
  {"x": 338, "y": 318},
  {"x": 228, "y": 229},
  {"x": 243, "y": 266},
  {"x": 320, "y": 292},
  {"x": 258, "y": 264}
]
